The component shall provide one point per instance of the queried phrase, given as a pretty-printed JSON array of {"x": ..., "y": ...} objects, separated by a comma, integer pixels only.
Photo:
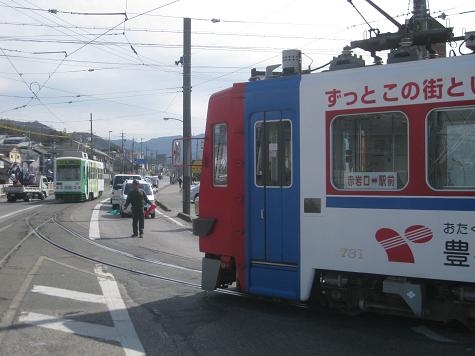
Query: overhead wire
[
  {"x": 141, "y": 61},
  {"x": 177, "y": 46},
  {"x": 96, "y": 37},
  {"x": 94, "y": 96},
  {"x": 77, "y": 35},
  {"x": 120, "y": 23},
  {"x": 100, "y": 35},
  {"x": 56, "y": 11},
  {"x": 35, "y": 94},
  {"x": 165, "y": 30},
  {"x": 234, "y": 71}
]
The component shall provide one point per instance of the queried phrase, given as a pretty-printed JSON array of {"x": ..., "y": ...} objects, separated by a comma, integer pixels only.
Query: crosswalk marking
[
  {"x": 70, "y": 326},
  {"x": 122, "y": 323},
  {"x": 123, "y": 330},
  {"x": 69, "y": 294}
]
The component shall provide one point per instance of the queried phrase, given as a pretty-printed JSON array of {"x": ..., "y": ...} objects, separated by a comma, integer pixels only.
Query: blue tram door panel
[
  {"x": 272, "y": 187},
  {"x": 273, "y": 192}
]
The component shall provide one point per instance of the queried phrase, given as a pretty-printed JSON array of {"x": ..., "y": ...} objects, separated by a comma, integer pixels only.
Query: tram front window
[
  {"x": 68, "y": 173},
  {"x": 451, "y": 148}
]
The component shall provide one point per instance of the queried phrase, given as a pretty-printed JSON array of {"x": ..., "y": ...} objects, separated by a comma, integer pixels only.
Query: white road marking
[
  {"x": 170, "y": 218},
  {"x": 94, "y": 232},
  {"x": 123, "y": 330},
  {"x": 19, "y": 211},
  {"x": 432, "y": 335},
  {"x": 105, "y": 200},
  {"x": 69, "y": 326},
  {"x": 9, "y": 316},
  {"x": 127, "y": 335},
  {"x": 69, "y": 294}
]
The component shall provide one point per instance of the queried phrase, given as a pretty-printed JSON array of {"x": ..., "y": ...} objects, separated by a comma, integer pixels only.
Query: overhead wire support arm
[
  {"x": 359, "y": 13},
  {"x": 384, "y": 13}
]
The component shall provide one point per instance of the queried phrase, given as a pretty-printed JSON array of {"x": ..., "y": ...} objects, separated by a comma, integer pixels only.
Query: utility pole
[
  {"x": 109, "y": 152},
  {"x": 141, "y": 154},
  {"x": 156, "y": 162},
  {"x": 133, "y": 152},
  {"x": 146, "y": 155},
  {"x": 123, "y": 153},
  {"x": 92, "y": 150},
  {"x": 186, "y": 114}
]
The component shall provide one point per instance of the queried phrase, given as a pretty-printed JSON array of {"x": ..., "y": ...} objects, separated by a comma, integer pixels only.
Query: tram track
[
  {"x": 120, "y": 252},
  {"x": 45, "y": 238},
  {"x": 54, "y": 219}
]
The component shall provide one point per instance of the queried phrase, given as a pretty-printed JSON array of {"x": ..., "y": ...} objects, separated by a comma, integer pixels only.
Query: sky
[{"x": 115, "y": 59}]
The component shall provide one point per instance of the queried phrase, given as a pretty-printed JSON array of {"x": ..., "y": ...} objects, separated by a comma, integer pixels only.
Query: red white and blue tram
[{"x": 354, "y": 187}]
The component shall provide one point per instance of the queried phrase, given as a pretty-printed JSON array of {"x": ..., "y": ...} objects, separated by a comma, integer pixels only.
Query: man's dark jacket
[{"x": 137, "y": 198}]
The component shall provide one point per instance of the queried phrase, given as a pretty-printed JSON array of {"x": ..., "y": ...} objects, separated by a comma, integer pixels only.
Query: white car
[
  {"x": 194, "y": 192},
  {"x": 117, "y": 183},
  {"x": 127, "y": 188}
]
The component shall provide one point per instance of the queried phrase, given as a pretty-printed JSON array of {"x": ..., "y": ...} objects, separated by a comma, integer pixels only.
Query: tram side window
[
  {"x": 451, "y": 148},
  {"x": 220, "y": 155},
  {"x": 369, "y": 151}
]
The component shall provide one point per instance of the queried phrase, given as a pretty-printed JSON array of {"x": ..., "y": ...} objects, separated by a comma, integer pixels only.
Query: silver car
[
  {"x": 194, "y": 192},
  {"x": 127, "y": 188},
  {"x": 117, "y": 184}
]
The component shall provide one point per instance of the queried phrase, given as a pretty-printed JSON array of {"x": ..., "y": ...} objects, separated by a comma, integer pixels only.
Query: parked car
[
  {"x": 127, "y": 188},
  {"x": 117, "y": 183},
  {"x": 194, "y": 192}
]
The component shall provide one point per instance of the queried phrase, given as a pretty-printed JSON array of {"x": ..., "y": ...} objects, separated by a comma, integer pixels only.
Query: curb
[
  {"x": 184, "y": 216},
  {"x": 163, "y": 206}
]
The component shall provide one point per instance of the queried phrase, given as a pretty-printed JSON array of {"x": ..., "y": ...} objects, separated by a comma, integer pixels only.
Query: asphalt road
[{"x": 54, "y": 301}]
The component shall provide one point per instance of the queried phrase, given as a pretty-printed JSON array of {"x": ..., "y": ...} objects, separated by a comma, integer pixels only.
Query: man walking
[{"x": 136, "y": 198}]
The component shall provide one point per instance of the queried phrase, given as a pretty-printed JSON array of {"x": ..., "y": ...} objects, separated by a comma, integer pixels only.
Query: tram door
[
  {"x": 87, "y": 179},
  {"x": 274, "y": 200}
]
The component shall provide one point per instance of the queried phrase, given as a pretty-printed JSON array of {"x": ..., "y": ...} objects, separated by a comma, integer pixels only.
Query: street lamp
[{"x": 172, "y": 118}]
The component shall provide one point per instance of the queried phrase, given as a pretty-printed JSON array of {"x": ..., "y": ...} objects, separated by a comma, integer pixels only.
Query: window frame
[
  {"x": 225, "y": 124},
  {"x": 442, "y": 108},
  {"x": 291, "y": 156},
  {"x": 408, "y": 146}
]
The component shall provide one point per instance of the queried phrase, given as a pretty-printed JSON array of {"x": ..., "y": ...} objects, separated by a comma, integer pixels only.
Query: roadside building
[
  {"x": 11, "y": 152},
  {"x": 4, "y": 166}
]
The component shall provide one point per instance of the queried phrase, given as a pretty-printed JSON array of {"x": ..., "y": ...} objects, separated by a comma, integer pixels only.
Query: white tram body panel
[{"x": 412, "y": 230}]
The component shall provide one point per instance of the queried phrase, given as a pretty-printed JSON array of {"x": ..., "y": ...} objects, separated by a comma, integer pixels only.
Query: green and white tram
[{"x": 78, "y": 178}]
